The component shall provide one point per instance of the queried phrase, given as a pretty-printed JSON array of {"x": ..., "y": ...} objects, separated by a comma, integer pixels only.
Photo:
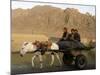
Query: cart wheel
[
  {"x": 80, "y": 61},
  {"x": 67, "y": 59}
]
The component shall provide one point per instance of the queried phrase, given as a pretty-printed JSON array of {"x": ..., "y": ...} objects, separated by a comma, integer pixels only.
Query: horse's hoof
[
  {"x": 61, "y": 64},
  {"x": 32, "y": 66},
  {"x": 51, "y": 64},
  {"x": 41, "y": 67}
]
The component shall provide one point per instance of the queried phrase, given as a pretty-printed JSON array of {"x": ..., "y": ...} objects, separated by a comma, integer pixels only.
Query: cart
[{"x": 74, "y": 55}]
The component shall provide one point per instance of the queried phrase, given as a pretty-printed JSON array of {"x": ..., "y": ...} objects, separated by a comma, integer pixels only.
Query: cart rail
[{"x": 68, "y": 49}]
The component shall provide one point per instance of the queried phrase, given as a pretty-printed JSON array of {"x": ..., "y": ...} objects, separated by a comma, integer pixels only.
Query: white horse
[{"x": 29, "y": 46}]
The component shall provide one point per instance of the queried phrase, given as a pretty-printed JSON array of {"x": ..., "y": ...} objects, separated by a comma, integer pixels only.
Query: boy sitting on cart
[{"x": 70, "y": 40}]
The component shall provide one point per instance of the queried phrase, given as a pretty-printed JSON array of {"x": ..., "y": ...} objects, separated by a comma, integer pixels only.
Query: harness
[{"x": 42, "y": 49}]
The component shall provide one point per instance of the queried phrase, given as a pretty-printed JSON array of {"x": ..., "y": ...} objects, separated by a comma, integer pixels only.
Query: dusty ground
[{"x": 21, "y": 65}]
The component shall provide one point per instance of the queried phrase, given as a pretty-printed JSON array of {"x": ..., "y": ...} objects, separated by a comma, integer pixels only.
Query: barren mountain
[{"x": 50, "y": 20}]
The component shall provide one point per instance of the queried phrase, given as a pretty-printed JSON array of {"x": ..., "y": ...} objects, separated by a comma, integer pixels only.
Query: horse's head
[{"x": 23, "y": 49}]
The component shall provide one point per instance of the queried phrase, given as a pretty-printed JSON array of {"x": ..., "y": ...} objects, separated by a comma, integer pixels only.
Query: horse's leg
[
  {"x": 56, "y": 54},
  {"x": 52, "y": 59},
  {"x": 41, "y": 61},
  {"x": 33, "y": 60}
]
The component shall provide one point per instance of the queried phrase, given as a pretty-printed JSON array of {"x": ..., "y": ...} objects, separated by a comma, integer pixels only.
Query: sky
[
  {"x": 88, "y": 2},
  {"x": 28, "y": 5}
]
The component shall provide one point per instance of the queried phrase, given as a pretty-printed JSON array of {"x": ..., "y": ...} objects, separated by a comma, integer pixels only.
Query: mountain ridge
[{"x": 50, "y": 20}]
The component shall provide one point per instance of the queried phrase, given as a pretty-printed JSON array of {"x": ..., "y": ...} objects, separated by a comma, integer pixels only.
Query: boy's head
[
  {"x": 65, "y": 29},
  {"x": 72, "y": 30},
  {"x": 76, "y": 31}
]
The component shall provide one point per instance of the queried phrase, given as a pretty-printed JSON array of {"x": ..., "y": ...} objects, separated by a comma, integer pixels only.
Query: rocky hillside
[{"x": 50, "y": 20}]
